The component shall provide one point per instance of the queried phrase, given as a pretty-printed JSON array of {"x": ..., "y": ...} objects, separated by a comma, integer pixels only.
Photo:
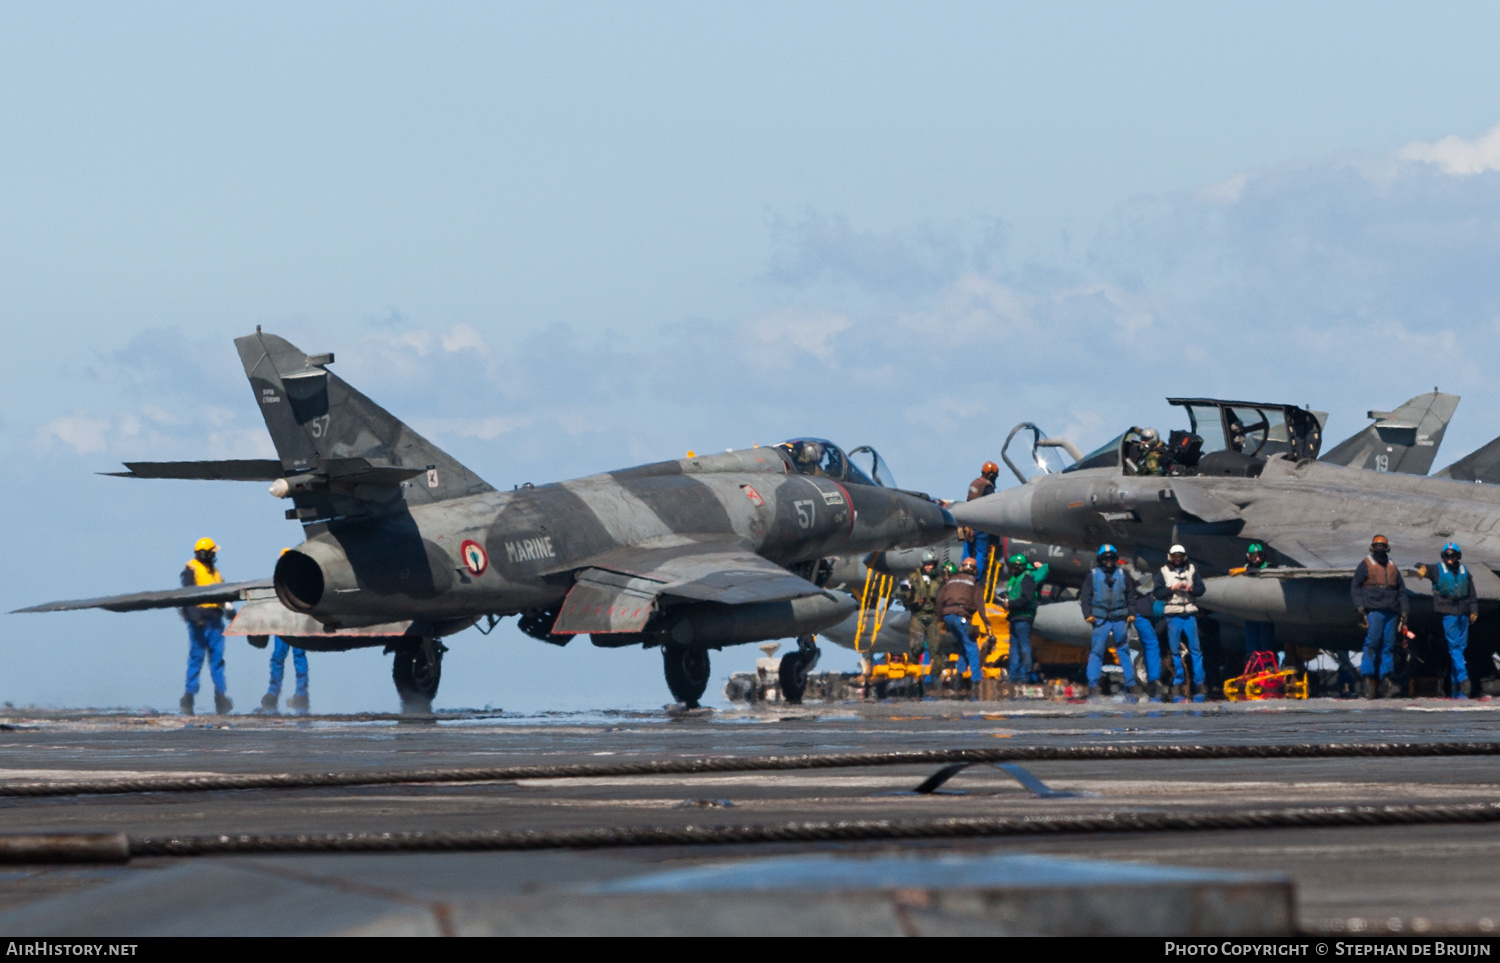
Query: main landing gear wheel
[
  {"x": 795, "y": 668},
  {"x": 417, "y": 669},
  {"x": 687, "y": 673}
]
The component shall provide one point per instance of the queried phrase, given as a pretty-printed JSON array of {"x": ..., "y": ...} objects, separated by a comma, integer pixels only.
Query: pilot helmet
[
  {"x": 811, "y": 453},
  {"x": 1150, "y": 436}
]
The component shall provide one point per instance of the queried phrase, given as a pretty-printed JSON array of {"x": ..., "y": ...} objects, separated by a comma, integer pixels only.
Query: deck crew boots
[
  {"x": 1095, "y": 691},
  {"x": 1153, "y": 691},
  {"x": 223, "y": 705},
  {"x": 1367, "y": 687},
  {"x": 268, "y": 703},
  {"x": 186, "y": 705},
  {"x": 1389, "y": 689},
  {"x": 298, "y": 703},
  {"x": 1199, "y": 693},
  {"x": 1465, "y": 690}
]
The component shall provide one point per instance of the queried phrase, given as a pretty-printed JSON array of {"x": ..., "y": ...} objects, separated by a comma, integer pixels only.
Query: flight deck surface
[{"x": 1354, "y": 879}]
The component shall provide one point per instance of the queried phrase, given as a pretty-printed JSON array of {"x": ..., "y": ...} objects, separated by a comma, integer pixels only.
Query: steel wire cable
[
  {"x": 724, "y": 764},
  {"x": 831, "y": 831}
]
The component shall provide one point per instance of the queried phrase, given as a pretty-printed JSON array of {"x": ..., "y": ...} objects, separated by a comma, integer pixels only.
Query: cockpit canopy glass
[
  {"x": 866, "y": 461},
  {"x": 818, "y": 456}
]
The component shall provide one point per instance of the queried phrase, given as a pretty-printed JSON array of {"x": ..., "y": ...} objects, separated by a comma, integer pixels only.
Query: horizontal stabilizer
[
  {"x": 169, "y": 599},
  {"x": 246, "y": 469}
]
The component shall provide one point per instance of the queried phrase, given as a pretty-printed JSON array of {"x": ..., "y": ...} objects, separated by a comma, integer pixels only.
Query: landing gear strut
[
  {"x": 417, "y": 668},
  {"x": 687, "y": 673},
  {"x": 795, "y": 667}
]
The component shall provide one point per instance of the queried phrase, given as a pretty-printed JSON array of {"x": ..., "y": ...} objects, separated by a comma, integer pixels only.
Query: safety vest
[
  {"x": 1381, "y": 576},
  {"x": 1109, "y": 596},
  {"x": 203, "y": 575},
  {"x": 1180, "y": 584},
  {"x": 1451, "y": 584}
]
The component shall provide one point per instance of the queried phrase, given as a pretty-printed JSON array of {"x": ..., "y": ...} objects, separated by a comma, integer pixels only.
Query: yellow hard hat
[{"x": 205, "y": 545}]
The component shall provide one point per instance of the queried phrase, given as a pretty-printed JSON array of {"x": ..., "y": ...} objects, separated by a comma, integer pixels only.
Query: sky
[{"x": 565, "y": 238}]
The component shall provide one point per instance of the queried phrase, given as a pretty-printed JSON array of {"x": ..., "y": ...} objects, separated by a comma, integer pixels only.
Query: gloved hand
[
  {"x": 1473, "y": 617},
  {"x": 1364, "y": 619},
  {"x": 1129, "y": 620},
  {"x": 1090, "y": 619},
  {"x": 1422, "y": 570}
]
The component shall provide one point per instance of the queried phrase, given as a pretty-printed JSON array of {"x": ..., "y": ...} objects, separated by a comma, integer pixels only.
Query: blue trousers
[
  {"x": 978, "y": 549},
  {"x": 1150, "y": 646},
  {"x": 1100, "y": 642},
  {"x": 959, "y": 626},
  {"x": 1456, "y": 631},
  {"x": 1177, "y": 627},
  {"x": 1259, "y": 637},
  {"x": 1020, "y": 651},
  {"x": 206, "y": 640},
  {"x": 1380, "y": 644},
  {"x": 278, "y": 667}
]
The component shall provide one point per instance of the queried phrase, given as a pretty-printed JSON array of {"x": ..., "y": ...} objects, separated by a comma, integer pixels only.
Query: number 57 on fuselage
[{"x": 405, "y": 546}]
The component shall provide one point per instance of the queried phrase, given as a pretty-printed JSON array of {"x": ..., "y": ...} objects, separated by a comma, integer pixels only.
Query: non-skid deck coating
[{"x": 1410, "y": 879}]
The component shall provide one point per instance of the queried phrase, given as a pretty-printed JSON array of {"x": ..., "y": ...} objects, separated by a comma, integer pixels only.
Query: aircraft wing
[
  {"x": 618, "y": 591},
  {"x": 169, "y": 599}
]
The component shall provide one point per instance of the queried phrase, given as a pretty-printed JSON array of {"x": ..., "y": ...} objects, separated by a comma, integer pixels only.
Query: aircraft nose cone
[{"x": 1005, "y": 513}]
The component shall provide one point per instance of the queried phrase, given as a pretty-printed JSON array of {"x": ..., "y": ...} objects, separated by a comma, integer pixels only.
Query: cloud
[
  {"x": 1457, "y": 155},
  {"x": 464, "y": 337},
  {"x": 84, "y": 434}
]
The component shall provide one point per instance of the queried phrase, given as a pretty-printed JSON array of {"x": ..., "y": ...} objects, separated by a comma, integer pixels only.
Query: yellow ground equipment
[{"x": 1263, "y": 680}]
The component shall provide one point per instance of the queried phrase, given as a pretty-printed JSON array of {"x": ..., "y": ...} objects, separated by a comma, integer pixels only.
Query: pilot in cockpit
[
  {"x": 807, "y": 456},
  {"x": 1154, "y": 454}
]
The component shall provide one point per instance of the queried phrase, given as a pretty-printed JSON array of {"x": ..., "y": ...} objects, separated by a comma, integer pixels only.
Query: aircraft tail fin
[
  {"x": 342, "y": 453},
  {"x": 1405, "y": 441},
  {"x": 1481, "y": 465}
]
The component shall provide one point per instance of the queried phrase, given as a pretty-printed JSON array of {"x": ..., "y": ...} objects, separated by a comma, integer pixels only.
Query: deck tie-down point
[{"x": 1017, "y": 772}]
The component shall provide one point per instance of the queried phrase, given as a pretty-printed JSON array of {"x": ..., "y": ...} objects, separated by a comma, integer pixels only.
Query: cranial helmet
[
  {"x": 1452, "y": 549},
  {"x": 1017, "y": 560},
  {"x": 970, "y": 565},
  {"x": 989, "y": 468},
  {"x": 205, "y": 545},
  {"x": 951, "y": 569}
]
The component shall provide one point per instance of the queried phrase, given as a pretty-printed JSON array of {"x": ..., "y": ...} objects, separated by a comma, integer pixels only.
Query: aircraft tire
[
  {"x": 796, "y": 667},
  {"x": 417, "y": 669},
  {"x": 687, "y": 670}
]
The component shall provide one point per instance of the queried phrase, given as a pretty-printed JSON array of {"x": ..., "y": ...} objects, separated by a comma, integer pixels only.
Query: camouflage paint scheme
[{"x": 404, "y": 545}]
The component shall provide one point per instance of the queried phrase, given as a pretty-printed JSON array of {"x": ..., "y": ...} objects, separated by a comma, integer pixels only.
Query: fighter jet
[
  {"x": 1249, "y": 472},
  {"x": 1403, "y": 441},
  {"x": 405, "y": 546}
]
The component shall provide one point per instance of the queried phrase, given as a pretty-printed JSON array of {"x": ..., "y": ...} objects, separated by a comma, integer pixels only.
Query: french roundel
[{"x": 474, "y": 558}]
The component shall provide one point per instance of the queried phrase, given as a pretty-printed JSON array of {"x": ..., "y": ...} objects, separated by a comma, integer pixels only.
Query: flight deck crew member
[
  {"x": 1454, "y": 598},
  {"x": 957, "y": 601},
  {"x": 977, "y": 544},
  {"x": 299, "y": 701},
  {"x": 1380, "y": 595},
  {"x": 1259, "y": 636},
  {"x": 1177, "y": 586},
  {"x": 1019, "y": 602},
  {"x": 920, "y": 599},
  {"x": 1144, "y": 610},
  {"x": 205, "y": 629},
  {"x": 1107, "y": 598}
]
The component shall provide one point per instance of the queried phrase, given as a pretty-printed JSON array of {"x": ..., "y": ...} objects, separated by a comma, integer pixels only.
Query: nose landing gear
[{"x": 795, "y": 668}]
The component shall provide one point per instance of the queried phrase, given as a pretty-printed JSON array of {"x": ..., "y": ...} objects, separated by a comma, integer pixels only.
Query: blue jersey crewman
[
  {"x": 1107, "y": 598},
  {"x": 1454, "y": 598}
]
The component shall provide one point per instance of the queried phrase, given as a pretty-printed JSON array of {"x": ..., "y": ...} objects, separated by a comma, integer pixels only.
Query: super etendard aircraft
[{"x": 405, "y": 546}]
